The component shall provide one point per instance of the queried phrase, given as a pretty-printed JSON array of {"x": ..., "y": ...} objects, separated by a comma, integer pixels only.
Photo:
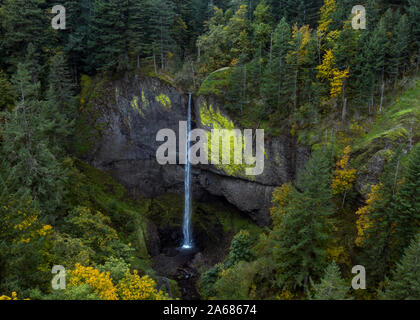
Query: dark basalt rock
[{"x": 131, "y": 113}]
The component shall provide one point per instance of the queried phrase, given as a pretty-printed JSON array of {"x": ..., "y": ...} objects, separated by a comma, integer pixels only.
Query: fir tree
[
  {"x": 60, "y": 107},
  {"x": 24, "y": 21},
  {"x": 277, "y": 85},
  {"x": 332, "y": 286},
  {"x": 108, "y": 35},
  {"x": 405, "y": 283},
  {"x": 79, "y": 15},
  {"x": 407, "y": 203},
  {"x": 380, "y": 235},
  {"x": 35, "y": 168},
  {"x": 6, "y": 92},
  {"x": 306, "y": 226}
]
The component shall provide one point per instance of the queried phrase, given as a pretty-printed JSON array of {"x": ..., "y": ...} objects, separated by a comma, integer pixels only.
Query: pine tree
[
  {"x": 262, "y": 26},
  {"x": 363, "y": 77},
  {"x": 405, "y": 283},
  {"x": 240, "y": 249},
  {"x": 6, "y": 93},
  {"x": 60, "y": 107},
  {"x": 413, "y": 10},
  {"x": 380, "y": 237},
  {"x": 277, "y": 85},
  {"x": 227, "y": 41},
  {"x": 399, "y": 47},
  {"x": 379, "y": 47},
  {"x": 161, "y": 21},
  {"x": 26, "y": 153},
  {"x": 108, "y": 40},
  {"x": 407, "y": 204},
  {"x": 24, "y": 21},
  {"x": 332, "y": 286},
  {"x": 137, "y": 32},
  {"x": 75, "y": 37},
  {"x": 301, "y": 59},
  {"x": 299, "y": 249}
]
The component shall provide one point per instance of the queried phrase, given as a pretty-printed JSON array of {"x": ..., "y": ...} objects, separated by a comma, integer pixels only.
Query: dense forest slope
[{"x": 80, "y": 185}]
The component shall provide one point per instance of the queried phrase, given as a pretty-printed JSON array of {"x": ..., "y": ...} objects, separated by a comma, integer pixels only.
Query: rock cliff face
[{"x": 130, "y": 111}]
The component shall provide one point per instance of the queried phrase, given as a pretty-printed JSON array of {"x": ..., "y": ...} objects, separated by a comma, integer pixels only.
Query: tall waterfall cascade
[{"x": 187, "y": 243}]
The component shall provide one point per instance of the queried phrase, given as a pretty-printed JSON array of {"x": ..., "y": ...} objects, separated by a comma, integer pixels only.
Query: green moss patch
[
  {"x": 165, "y": 101},
  {"x": 214, "y": 119},
  {"x": 400, "y": 122},
  {"x": 216, "y": 83},
  {"x": 88, "y": 129}
]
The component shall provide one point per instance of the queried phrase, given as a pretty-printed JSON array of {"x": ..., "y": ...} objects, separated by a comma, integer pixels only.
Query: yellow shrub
[
  {"x": 344, "y": 176},
  {"x": 363, "y": 222},
  {"x": 13, "y": 297},
  {"x": 100, "y": 282},
  {"x": 134, "y": 287}
]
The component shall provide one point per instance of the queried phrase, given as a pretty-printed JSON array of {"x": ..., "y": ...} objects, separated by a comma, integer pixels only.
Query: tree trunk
[
  {"x": 161, "y": 45},
  {"x": 244, "y": 90},
  {"x": 344, "y": 110},
  {"x": 410, "y": 137},
  {"x": 382, "y": 91},
  {"x": 271, "y": 49},
  {"x": 295, "y": 91},
  {"x": 418, "y": 61},
  {"x": 154, "y": 60}
]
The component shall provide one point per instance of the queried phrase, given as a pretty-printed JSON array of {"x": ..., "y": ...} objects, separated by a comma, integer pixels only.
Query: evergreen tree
[
  {"x": 227, "y": 41},
  {"x": 24, "y": 21},
  {"x": 407, "y": 203},
  {"x": 60, "y": 107},
  {"x": 35, "y": 168},
  {"x": 137, "y": 30},
  {"x": 302, "y": 234},
  {"x": 380, "y": 238},
  {"x": 277, "y": 85},
  {"x": 161, "y": 22},
  {"x": 332, "y": 286},
  {"x": 75, "y": 37},
  {"x": 405, "y": 283},
  {"x": 413, "y": 10},
  {"x": 262, "y": 26},
  {"x": 379, "y": 47},
  {"x": 240, "y": 249},
  {"x": 6, "y": 93},
  {"x": 108, "y": 40},
  {"x": 399, "y": 48}
]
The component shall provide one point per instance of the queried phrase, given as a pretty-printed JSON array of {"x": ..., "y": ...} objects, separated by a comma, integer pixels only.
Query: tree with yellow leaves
[
  {"x": 24, "y": 239},
  {"x": 12, "y": 297},
  {"x": 377, "y": 222},
  {"x": 328, "y": 71},
  {"x": 134, "y": 287},
  {"x": 344, "y": 176},
  {"x": 281, "y": 198},
  {"x": 326, "y": 12},
  {"x": 300, "y": 59},
  {"x": 131, "y": 287},
  {"x": 363, "y": 222},
  {"x": 99, "y": 282}
]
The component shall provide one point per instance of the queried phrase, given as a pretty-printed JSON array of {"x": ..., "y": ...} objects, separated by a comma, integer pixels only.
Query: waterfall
[{"x": 188, "y": 243}]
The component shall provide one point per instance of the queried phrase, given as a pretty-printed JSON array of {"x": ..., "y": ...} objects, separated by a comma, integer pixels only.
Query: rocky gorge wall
[{"x": 124, "y": 116}]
